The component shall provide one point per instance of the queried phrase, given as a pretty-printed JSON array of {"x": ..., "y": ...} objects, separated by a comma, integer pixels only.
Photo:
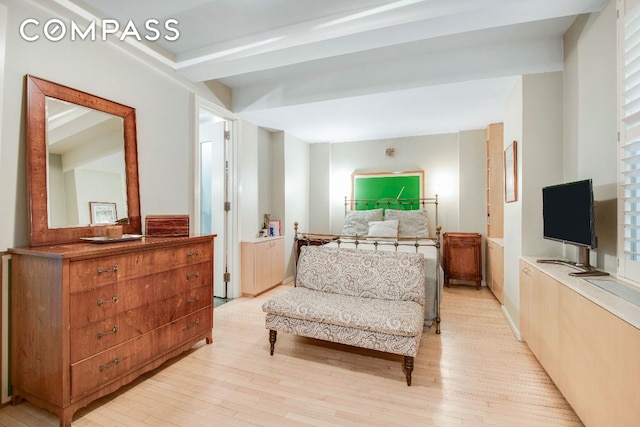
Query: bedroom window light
[{"x": 629, "y": 127}]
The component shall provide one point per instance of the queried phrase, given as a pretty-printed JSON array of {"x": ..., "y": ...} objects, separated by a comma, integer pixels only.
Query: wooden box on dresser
[
  {"x": 89, "y": 318},
  {"x": 262, "y": 264}
]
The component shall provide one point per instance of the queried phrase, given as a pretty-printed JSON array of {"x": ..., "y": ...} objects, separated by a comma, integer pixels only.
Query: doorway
[{"x": 213, "y": 195}]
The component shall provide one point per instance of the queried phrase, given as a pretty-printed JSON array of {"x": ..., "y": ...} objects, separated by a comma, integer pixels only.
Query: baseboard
[
  {"x": 512, "y": 325},
  {"x": 287, "y": 280}
]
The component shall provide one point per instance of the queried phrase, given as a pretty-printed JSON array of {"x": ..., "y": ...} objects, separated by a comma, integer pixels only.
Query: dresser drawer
[
  {"x": 108, "y": 300},
  {"x": 135, "y": 292},
  {"x": 96, "y": 304},
  {"x": 99, "y": 370},
  {"x": 102, "y": 335},
  {"x": 92, "y": 273}
]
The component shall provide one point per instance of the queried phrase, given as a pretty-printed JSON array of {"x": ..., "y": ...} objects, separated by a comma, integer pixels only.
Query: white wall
[
  {"x": 533, "y": 118},
  {"x": 513, "y": 122},
  {"x": 265, "y": 170},
  {"x": 472, "y": 181},
  {"x": 296, "y": 193},
  {"x": 164, "y": 111},
  {"x": 249, "y": 221},
  {"x": 591, "y": 122},
  {"x": 437, "y": 155},
  {"x": 320, "y": 171}
]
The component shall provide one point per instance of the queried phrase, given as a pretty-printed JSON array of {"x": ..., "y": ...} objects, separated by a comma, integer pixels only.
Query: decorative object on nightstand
[{"x": 462, "y": 257}]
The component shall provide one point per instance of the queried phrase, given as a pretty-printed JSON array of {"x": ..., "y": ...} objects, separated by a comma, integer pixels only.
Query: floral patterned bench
[{"x": 368, "y": 299}]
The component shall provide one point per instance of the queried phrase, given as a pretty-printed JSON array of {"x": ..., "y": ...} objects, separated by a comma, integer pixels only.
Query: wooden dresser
[
  {"x": 462, "y": 257},
  {"x": 89, "y": 318}
]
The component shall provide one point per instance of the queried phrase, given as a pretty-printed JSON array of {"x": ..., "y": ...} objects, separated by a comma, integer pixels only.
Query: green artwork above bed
[{"x": 386, "y": 189}]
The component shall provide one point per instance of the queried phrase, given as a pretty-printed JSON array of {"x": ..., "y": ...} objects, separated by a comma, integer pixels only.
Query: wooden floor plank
[{"x": 474, "y": 373}]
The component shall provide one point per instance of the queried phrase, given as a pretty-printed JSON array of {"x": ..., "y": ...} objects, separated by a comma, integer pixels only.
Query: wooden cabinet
[
  {"x": 89, "y": 318},
  {"x": 262, "y": 264},
  {"x": 495, "y": 267},
  {"x": 495, "y": 180},
  {"x": 589, "y": 353},
  {"x": 462, "y": 257}
]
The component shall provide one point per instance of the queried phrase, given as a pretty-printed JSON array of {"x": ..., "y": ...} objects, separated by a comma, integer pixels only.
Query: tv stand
[{"x": 585, "y": 270}]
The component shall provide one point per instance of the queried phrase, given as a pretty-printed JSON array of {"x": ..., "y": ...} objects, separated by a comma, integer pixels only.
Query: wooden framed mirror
[{"x": 80, "y": 149}]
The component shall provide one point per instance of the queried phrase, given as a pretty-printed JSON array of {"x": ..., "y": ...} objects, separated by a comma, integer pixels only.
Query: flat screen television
[{"x": 568, "y": 213}]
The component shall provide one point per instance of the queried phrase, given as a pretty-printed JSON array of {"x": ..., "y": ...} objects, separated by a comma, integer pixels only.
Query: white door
[{"x": 214, "y": 134}]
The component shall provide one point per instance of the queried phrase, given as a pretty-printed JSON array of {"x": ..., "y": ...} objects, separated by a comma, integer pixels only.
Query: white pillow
[
  {"x": 411, "y": 223},
  {"x": 356, "y": 223},
  {"x": 381, "y": 229}
]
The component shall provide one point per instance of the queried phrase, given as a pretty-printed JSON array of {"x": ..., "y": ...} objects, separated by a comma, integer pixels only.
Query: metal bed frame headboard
[{"x": 390, "y": 203}]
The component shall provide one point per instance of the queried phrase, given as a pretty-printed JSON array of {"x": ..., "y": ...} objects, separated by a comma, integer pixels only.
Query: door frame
[{"x": 231, "y": 229}]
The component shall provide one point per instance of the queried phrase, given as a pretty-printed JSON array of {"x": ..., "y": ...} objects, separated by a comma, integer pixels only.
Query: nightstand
[{"x": 462, "y": 257}]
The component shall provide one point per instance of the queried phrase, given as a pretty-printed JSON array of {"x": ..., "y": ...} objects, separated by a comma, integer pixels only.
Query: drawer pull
[
  {"x": 195, "y": 253},
  {"x": 112, "y": 331},
  {"x": 108, "y": 270},
  {"x": 193, "y": 276},
  {"x": 191, "y": 325},
  {"x": 110, "y": 364},
  {"x": 114, "y": 299},
  {"x": 196, "y": 299}
]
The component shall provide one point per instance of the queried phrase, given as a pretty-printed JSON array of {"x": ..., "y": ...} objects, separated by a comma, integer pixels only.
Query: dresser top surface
[{"x": 91, "y": 249}]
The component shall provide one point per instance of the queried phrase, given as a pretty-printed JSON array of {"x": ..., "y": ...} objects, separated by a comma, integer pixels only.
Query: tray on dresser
[{"x": 105, "y": 239}]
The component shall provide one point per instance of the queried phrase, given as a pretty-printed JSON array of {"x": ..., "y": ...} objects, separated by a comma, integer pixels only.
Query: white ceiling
[{"x": 345, "y": 70}]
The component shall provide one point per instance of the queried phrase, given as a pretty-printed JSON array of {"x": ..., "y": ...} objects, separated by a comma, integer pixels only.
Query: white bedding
[{"x": 430, "y": 258}]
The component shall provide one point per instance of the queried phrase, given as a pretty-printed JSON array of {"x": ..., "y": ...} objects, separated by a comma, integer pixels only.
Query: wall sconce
[{"x": 390, "y": 152}]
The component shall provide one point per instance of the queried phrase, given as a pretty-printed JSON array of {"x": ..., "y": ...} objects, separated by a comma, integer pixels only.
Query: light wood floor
[{"x": 474, "y": 373}]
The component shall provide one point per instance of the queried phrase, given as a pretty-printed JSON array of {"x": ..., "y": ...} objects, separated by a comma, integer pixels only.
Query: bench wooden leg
[
  {"x": 272, "y": 339},
  {"x": 408, "y": 368}
]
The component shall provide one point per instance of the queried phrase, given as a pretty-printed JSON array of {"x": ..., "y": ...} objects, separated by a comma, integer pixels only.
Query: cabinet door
[
  {"x": 463, "y": 257},
  {"x": 497, "y": 271},
  {"x": 489, "y": 264},
  {"x": 262, "y": 267},
  {"x": 549, "y": 321},
  {"x": 277, "y": 261},
  {"x": 530, "y": 307},
  {"x": 526, "y": 278}
]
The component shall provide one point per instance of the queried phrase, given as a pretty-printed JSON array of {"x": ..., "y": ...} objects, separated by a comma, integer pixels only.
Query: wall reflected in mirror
[{"x": 85, "y": 162}]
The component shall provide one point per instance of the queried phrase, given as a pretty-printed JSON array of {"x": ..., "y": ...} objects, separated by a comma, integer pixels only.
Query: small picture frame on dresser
[
  {"x": 274, "y": 228},
  {"x": 103, "y": 212}
]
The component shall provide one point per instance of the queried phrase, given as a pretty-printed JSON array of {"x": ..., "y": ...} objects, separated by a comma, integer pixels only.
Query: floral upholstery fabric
[
  {"x": 370, "y": 274},
  {"x": 368, "y": 299},
  {"x": 411, "y": 223},
  {"x": 396, "y": 344},
  {"x": 369, "y": 314},
  {"x": 356, "y": 223}
]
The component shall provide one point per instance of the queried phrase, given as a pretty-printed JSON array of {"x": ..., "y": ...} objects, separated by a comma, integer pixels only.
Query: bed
[{"x": 400, "y": 225}]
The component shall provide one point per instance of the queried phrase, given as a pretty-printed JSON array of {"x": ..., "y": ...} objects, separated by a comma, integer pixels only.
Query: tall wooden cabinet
[
  {"x": 495, "y": 180},
  {"x": 88, "y": 318},
  {"x": 494, "y": 257},
  {"x": 462, "y": 257},
  {"x": 494, "y": 251},
  {"x": 262, "y": 263}
]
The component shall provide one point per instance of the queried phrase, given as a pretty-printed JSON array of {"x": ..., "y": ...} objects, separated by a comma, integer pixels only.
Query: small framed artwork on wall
[{"x": 510, "y": 173}]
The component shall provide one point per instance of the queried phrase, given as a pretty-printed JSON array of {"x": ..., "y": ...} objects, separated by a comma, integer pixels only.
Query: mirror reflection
[{"x": 85, "y": 163}]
